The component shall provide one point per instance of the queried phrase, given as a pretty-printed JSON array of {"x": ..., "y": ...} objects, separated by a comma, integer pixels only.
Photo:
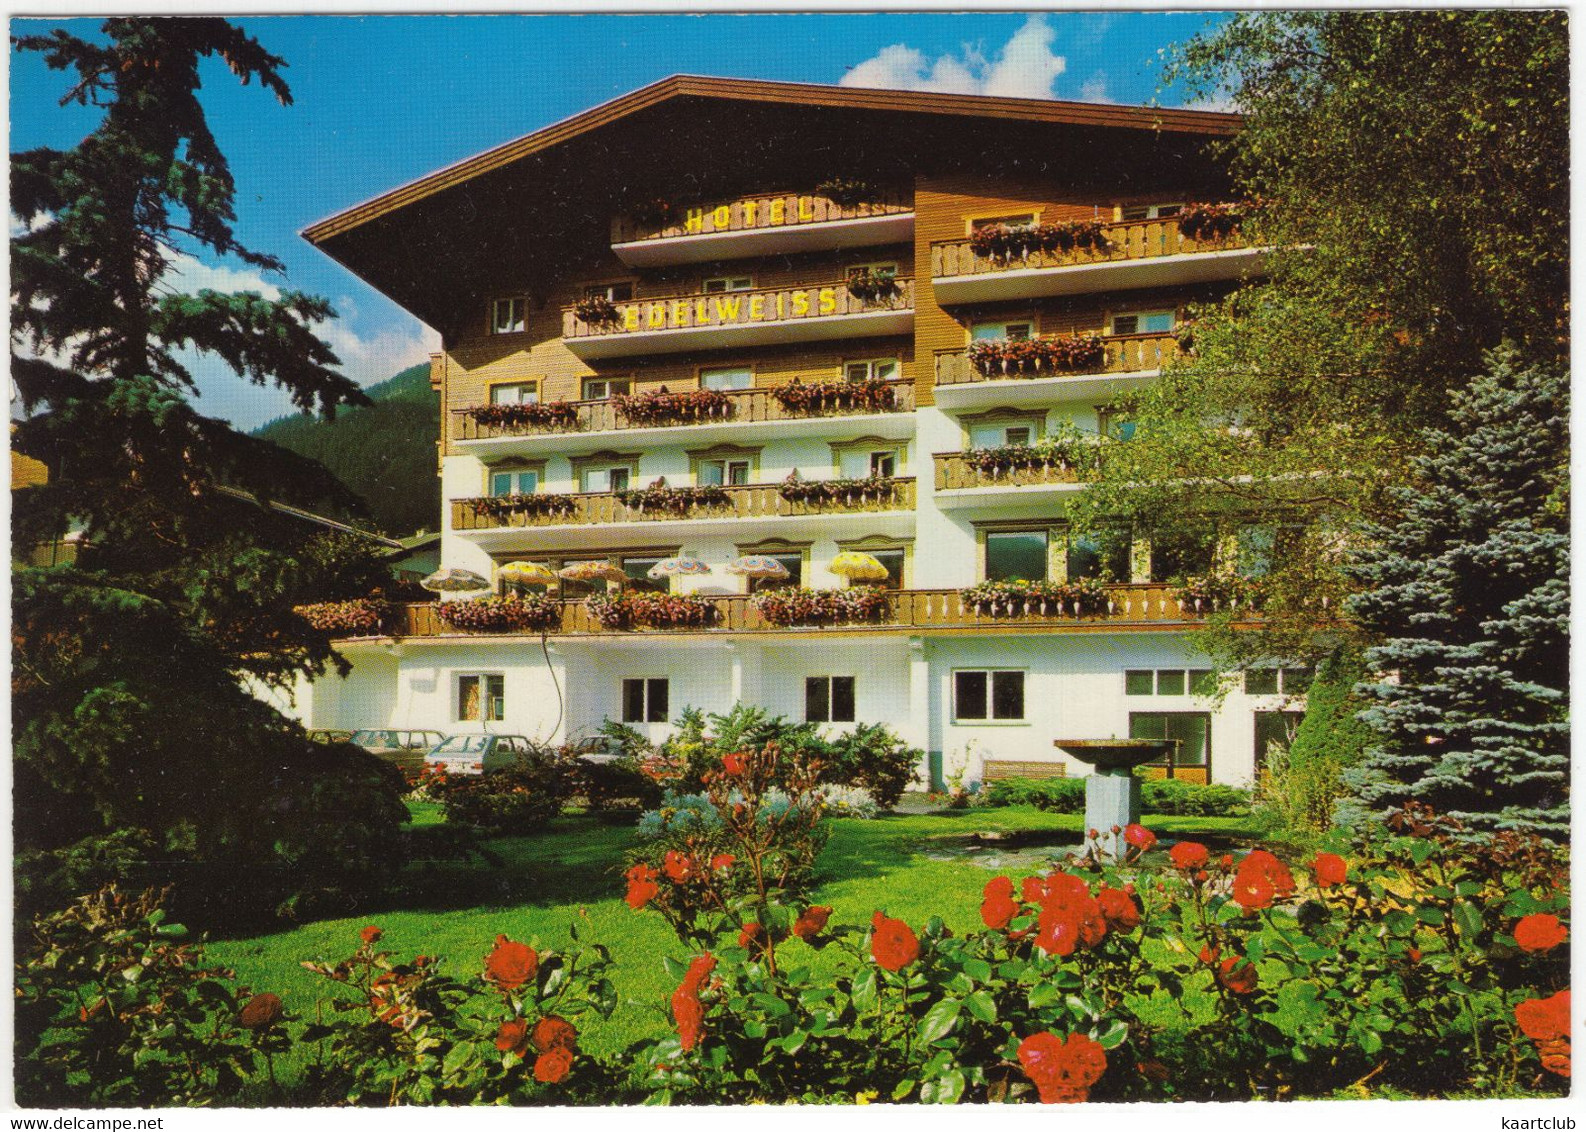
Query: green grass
[{"x": 572, "y": 872}]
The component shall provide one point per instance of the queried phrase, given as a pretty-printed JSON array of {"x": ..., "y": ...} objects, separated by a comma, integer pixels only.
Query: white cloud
[
  {"x": 1094, "y": 89},
  {"x": 1026, "y": 67}
]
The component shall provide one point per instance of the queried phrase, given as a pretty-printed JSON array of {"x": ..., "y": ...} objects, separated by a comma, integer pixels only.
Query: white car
[{"x": 477, "y": 754}]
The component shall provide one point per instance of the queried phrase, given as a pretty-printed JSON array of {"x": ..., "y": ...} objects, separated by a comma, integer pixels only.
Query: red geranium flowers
[{"x": 1063, "y": 1071}]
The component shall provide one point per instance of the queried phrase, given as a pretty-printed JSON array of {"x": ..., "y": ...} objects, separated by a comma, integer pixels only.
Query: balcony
[
  {"x": 775, "y": 224},
  {"x": 1131, "y": 359},
  {"x": 819, "y": 312},
  {"x": 747, "y": 409},
  {"x": 1138, "y": 253},
  {"x": 1132, "y": 607},
  {"x": 753, "y": 510}
]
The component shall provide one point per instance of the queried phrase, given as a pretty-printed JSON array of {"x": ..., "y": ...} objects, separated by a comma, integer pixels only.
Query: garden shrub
[
  {"x": 1302, "y": 786},
  {"x": 1058, "y": 795},
  {"x": 517, "y": 799},
  {"x": 872, "y": 758},
  {"x": 620, "y": 784},
  {"x": 847, "y": 802},
  {"x": 1157, "y": 796}
]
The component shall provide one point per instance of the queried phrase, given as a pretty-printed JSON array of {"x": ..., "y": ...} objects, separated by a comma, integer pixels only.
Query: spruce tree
[
  {"x": 1468, "y": 594},
  {"x": 137, "y": 749}
]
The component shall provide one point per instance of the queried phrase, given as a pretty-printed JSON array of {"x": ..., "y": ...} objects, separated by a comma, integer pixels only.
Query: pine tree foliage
[
  {"x": 1329, "y": 741},
  {"x": 1468, "y": 595},
  {"x": 133, "y": 726}
]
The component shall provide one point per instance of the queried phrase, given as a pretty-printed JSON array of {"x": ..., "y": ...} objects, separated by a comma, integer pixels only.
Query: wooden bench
[{"x": 993, "y": 770}]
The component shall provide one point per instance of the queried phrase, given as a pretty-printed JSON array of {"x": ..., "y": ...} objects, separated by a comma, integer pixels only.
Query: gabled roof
[
  {"x": 517, "y": 217},
  {"x": 757, "y": 90}
]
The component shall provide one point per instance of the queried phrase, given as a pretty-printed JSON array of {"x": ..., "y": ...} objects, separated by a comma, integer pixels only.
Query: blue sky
[{"x": 380, "y": 100}]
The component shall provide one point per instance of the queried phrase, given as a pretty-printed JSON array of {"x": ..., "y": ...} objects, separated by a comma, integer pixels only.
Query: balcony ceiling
[
  {"x": 867, "y": 324},
  {"x": 536, "y": 210},
  {"x": 1113, "y": 275},
  {"x": 861, "y": 232}
]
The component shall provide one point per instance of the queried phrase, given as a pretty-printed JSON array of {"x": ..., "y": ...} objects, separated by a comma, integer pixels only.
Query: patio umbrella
[
  {"x": 857, "y": 567},
  {"x": 592, "y": 572},
  {"x": 757, "y": 566},
  {"x": 681, "y": 566},
  {"x": 454, "y": 580},
  {"x": 528, "y": 574}
]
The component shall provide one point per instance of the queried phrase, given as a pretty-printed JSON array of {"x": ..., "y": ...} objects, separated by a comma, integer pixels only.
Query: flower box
[
  {"x": 1017, "y": 598},
  {"x": 872, "y": 286},
  {"x": 791, "y": 606},
  {"x": 509, "y": 614},
  {"x": 1212, "y": 593},
  {"x": 872, "y": 395},
  {"x": 1002, "y": 242},
  {"x": 674, "y": 500},
  {"x": 552, "y": 414},
  {"x": 652, "y": 611},
  {"x": 871, "y": 489},
  {"x": 846, "y": 193},
  {"x": 518, "y": 503},
  {"x": 596, "y": 310},
  {"x": 360, "y": 617},
  {"x": 997, "y": 357},
  {"x": 665, "y": 407},
  {"x": 1211, "y": 223}
]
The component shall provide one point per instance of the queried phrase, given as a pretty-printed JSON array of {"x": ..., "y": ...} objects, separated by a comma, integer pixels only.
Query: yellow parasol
[
  {"x": 858, "y": 567},
  {"x": 527, "y": 574}
]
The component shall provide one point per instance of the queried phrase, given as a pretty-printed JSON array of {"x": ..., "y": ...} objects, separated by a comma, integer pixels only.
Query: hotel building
[{"x": 753, "y": 290}]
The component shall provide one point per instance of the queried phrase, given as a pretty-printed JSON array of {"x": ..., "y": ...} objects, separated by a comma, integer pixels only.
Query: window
[
  {"x": 1183, "y": 553},
  {"x": 1296, "y": 681},
  {"x": 1143, "y": 322},
  {"x": 1261, "y": 681},
  {"x": 1115, "y": 424},
  {"x": 723, "y": 472},
  {"x": 893, "y": 561},
  {"x": 1275, "y": 729},
  {"x": 645, "y": 701},
  {"x": 871, "y": 369},
  {"x": 1271, "y": 681},
  {"x": 515, "y": 393},
  {"x": 829, "y": 699},
  {"x": 1009, "y": 330},
  {"x": 481, "y": 698},
  {"x": 638, "y": 571},
  {"x": 1016, "y": 554},
  {"x": 1139, "y": 682},
  {"x": 857, "y": 463},
  {"x": 606, "y": 479},
  {"x": 726, "y": 377},
  {"x": 987, "y": 221},
  {"x": 506, "y": 316},
  {"x": 1102, "y": 553},
  {"x": 1001, "y": 434},
  {"x": 515, "y": 483},
  {"x": 728, "y": 283},
  {"x": 604, "y": 388},
  {"x": 873, "y": 268},
  {"x": 988, "y": 694},
  {"x": 1169, "y": 682},
  {"x": 615, "y": 292},
  {"x": 1192, "y": 730},
  {"x": 1149, "y": 211}
]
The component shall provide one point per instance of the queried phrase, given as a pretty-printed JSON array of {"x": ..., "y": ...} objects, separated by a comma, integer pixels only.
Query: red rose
[
  {"x": 1139, "y": 836},
  {"x": 1209, "y": 954},
  {"x": 1118, "y": 908},
  {"x": 1544, "y": 1019},
  {"x": 1189, "y": 856},
  {"x": 510, "y": 964},
  {"x": 1225, "y": 862},
  {"x": 687, "y": 1010},
  {"x": 1555, "y": 1056},
  {"x": 1540, "y": 932},
  {"x": 733, "y": 764},
  {"x": 371, "y": 934},
  {"x": 752, "y": 936},
  {"x": 1063, "y": 1072},
  {"x": 1277, "y": 874},
  {"x": 811, "y": 922},
  {"x": 553, "y": 1066},
  {"x": 998, "y": 906},
  {"x": 721, "y": 862},
  {"x": 513, "y": 1036},
  {"x": 1238, "y": 975},
  {"x": 892, "y": 944},
  {"x": 641, "y": 886},
  {"x": 1330, "y": 869},
  {"x": 554, "y": 1032},
  {"x": 1253, "y": 892},
  {"x": 1415, "y": 954},
  {"x": 258, "y": 1012}
]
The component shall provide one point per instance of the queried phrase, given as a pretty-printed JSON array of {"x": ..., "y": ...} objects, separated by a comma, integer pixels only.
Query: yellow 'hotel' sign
[
  {"x": 750, "y": 214},
  {"x": 717, "y": 310}
]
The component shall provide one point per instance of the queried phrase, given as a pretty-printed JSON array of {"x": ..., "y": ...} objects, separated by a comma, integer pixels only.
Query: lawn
[{"x": 909, "y": 865}]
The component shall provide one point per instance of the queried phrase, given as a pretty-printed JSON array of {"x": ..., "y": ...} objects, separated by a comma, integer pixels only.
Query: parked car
[
  {"x": 326, "y": 736},
  {"x": 406, "y": 749},
  {"x": 599, "y": 750},
  {"x": 478, "y": 754}
]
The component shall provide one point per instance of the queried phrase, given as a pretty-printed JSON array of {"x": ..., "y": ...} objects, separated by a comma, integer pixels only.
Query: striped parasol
[
  {"x": 454, "y": 580},
  {"x": 592, "y": 572},
  {"x": 527, "y": 574},
  {"x": 683, "y": 565},
  {"x": 757, "y": 566},
  {"x": 858, "y": 567}
]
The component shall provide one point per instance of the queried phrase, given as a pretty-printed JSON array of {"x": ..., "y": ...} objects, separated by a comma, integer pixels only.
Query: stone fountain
[{"x": 1112, "y": 792}]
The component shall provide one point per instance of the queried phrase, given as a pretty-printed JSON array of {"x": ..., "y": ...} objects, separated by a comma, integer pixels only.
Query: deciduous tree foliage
[
  {"x": 1468, "y": 594},
  {"x": 1409, "y": 171},
  {"x": 131, "y": 721}
]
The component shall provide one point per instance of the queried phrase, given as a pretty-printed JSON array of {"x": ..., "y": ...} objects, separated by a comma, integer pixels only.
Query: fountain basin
[
  {"x": 1112, "y": 793},
  {"x": 1114, "y": 755}
]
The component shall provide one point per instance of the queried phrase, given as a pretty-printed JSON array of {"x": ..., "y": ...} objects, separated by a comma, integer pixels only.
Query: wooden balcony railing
[
  {"x": 774, "y": 210},
  {"x": 1126, "y": 353},
  {"x": 1129, "y": 604},
  {"x": 780, "y": 306},
  {"x": 751, "y": 501},
  {"x": 953, "y": 470},
  {"x": 745, "y": 405},
  {"x": 1127, "y": 240}
]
